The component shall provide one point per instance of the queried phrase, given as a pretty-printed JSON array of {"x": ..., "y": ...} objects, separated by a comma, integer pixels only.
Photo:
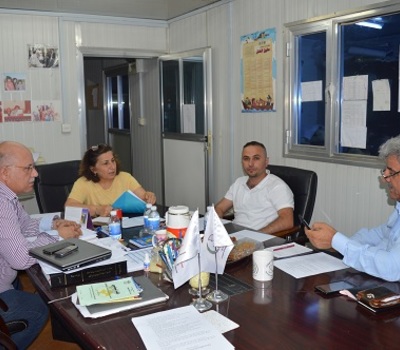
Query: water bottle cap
[
  {"x": 113, "y": 212},
  {"x": 153, "y": 207},
  {"x": 148, "y": 205}
]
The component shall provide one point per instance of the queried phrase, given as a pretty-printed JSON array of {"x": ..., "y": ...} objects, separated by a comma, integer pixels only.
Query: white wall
[
  {"x": 95, "y": 37},
  {"x": 348, "y": 197}
]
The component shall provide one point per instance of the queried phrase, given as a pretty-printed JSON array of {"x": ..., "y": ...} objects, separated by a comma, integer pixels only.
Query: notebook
[
  {"x": 86, "y": 254},
  {"x": 150, "y": 295}
]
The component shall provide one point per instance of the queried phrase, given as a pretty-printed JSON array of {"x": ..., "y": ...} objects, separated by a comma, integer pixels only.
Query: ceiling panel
[{"x": 145, "y": 9}]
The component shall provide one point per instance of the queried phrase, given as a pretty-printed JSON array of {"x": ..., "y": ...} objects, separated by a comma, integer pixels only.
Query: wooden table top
[{"x": 286, "y": 314}]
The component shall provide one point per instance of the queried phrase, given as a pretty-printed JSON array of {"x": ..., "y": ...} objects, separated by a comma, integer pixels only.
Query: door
[{"x": 186, "y": 128}]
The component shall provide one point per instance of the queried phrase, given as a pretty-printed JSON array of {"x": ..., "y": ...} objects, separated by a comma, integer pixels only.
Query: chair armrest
[
  {"x": 287, "y": 232},
  {"x": 229, "y": 216}
]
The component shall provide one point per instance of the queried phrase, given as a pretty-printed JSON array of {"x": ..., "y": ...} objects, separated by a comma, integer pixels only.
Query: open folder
[{"x": 129, "y": 202}]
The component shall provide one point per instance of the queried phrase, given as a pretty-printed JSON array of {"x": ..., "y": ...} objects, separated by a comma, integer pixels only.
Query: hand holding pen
[{"x": 321, "y": 235}]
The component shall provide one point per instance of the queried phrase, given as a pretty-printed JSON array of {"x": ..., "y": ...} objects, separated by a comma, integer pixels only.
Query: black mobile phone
[
  {"x": 65, "y": 251},
  {"x": 56, "y": 247},
  {"x": 334, "y": 287},
  {"x": 304, "y": 222}
]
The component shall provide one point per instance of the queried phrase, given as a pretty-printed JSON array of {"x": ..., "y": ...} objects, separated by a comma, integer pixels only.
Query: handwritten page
[
  {"x": 254, "y": 235},
  {"x": 355, "y": 87},
  {"x": 288, "y": 250},
  {"x": 309, "y": 265},
  {"x": 182, "y": 328},
  {"x": 381, "y": 95}
]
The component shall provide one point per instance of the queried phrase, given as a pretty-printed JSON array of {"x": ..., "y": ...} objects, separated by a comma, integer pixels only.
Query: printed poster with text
[{"x": 258, "y": 71}]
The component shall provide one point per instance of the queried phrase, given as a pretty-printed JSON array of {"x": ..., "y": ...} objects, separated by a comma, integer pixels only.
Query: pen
[{"x": 284, "y": 247}]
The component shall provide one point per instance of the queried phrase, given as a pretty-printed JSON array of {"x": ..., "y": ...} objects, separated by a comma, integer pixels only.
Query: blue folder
[{"x": 128, "y": 202}]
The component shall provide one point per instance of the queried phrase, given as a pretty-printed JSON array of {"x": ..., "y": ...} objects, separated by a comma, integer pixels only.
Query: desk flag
[
  {"x": 217, "y": 242},
  {"x": 187, "y": 264}
]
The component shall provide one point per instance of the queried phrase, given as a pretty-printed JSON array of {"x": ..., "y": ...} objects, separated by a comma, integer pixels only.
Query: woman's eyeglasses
[{"x": 96, "y": 147}]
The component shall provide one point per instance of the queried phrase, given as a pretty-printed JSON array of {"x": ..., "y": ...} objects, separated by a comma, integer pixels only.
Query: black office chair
[
  {"x": 9, "y": 328},
  {"x": 303, "y": 184},
  {"x": 54, "y": 184}
]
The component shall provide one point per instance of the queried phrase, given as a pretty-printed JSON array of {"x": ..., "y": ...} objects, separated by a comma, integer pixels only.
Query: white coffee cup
[
  {"x": 159, "y": 237},
  {"x": 263, "y": 265}
]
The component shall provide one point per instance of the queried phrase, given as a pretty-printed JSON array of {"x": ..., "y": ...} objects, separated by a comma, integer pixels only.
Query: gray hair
[
  {"x": 390, "y": 148},
  {"x": 7, "y": 152}
]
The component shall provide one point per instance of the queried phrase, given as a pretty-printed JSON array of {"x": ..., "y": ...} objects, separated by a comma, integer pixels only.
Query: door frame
[{"x": 207, "y": 137}]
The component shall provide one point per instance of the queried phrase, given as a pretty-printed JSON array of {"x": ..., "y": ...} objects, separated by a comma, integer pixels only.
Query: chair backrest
[
  {"x": 303, "y": 184},
  {"x": 54, "y": 184}
]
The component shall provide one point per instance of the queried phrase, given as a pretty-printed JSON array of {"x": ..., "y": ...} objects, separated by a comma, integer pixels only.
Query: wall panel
[{"x": 348, "y": 197}]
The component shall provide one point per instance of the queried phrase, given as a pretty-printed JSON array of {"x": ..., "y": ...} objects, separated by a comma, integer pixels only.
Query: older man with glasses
[
  {"x": 18, "y": 233},
  {"x": 374, "y": 251}
]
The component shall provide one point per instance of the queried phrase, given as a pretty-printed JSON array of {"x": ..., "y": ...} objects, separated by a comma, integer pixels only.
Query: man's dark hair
[{"x": 256, "y": 143}]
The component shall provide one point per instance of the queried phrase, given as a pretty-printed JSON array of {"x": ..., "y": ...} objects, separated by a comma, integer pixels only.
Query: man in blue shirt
[{"x": 374, "y": 251}]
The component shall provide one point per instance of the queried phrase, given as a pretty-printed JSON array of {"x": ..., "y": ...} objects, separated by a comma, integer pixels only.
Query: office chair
[
  {"x": 54, "y": 184},
  {"x": 303, "y": 184},
  {"x": 9, "y": 328}
]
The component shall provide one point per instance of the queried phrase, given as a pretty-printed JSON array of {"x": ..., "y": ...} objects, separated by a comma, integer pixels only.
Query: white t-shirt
[{"x": 257, "y": 207}]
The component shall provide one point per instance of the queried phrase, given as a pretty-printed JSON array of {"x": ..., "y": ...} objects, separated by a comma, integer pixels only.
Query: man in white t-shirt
[{"x": 261, "y": 201}]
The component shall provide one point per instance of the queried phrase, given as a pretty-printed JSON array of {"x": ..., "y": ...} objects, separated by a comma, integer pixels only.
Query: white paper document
[
  {"x": 381, "y": 95},
  {"x": 136, "y": 221},
  {"x": 288, "y": 250},
  {"x": 182, "y": 328},
  {"x": 311, "y": 91},
  {"x": 221, "y": 323},
  {"x": 309, "y": 265},
  {"x": 254, "y": 235}
]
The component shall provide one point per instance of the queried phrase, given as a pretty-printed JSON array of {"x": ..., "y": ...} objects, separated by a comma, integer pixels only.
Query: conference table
[{"x": 287, "y": 313}]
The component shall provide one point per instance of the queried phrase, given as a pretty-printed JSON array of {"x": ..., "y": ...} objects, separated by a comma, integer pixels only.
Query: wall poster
[{"x": 258, "y": 71}]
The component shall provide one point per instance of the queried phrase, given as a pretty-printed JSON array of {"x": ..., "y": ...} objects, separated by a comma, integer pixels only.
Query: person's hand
[
  {"x": 68, "y": 229},
  {"x": 320, "y": 235},
  {"x": 149, "y": 197},
  {"x": 103, "y": 210}
]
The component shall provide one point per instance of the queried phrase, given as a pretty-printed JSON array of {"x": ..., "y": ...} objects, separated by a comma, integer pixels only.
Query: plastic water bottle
[
  {"x": 206, "y": 215},
  {"x": 114, "y": 227},
  {"x": 146, "y": 215},
  {"x": 154, "y": 219},
  {"x": 146, "y": 230}
]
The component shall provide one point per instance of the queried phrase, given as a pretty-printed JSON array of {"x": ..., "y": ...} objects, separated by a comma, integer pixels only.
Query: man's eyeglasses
[
  {"x": 27, "y": 169},
  {"x": 390, "y": 174}
]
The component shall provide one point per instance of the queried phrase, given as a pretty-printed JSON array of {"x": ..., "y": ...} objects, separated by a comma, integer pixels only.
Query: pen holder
[{"x": 168, "y": 253}]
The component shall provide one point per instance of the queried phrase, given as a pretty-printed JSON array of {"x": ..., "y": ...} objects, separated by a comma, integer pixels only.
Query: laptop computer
[{"x": 70, "y": 254}]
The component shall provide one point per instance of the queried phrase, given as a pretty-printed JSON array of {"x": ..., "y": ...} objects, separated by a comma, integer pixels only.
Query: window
[
  {"x": 342, "y": 75},
  {"x": 117, "y": 83}
]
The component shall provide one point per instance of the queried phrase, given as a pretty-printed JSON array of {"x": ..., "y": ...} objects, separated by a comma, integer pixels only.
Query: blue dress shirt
[{"x": 375, "y": 251}]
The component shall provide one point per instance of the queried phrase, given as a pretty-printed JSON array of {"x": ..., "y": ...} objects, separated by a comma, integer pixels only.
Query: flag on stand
[
  {"x": 216, "y": 245},
  {"x": 187, "y": 264}
]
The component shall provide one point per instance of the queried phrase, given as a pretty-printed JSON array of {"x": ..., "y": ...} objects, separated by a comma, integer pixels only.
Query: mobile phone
[
  {"x": 304, "y": 222},
  {"x": 66, "y": 251},
  {"x": 56, "y": 247},
  {"x": 334, "y": 287}
]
